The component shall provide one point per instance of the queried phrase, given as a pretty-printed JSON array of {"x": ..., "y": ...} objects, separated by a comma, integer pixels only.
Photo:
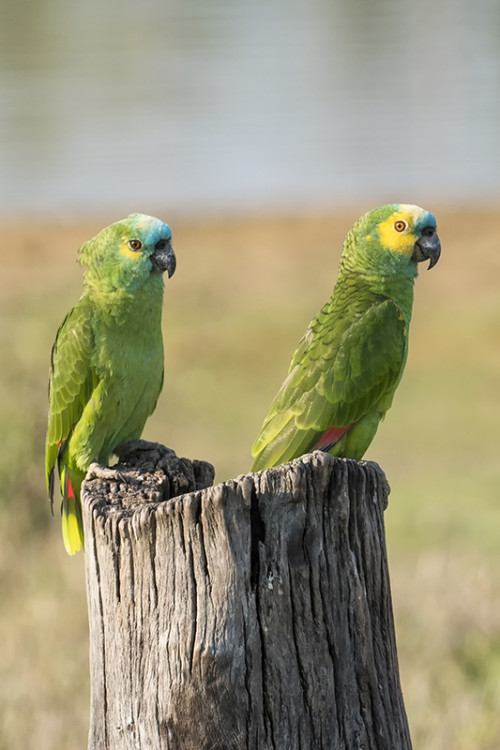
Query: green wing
[
  {"x": 342, "y": 370},
  {"x": 70, "y": 385}
]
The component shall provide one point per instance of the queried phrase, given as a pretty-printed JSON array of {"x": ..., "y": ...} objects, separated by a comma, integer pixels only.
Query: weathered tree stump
[{"x": 254, "y": 614}]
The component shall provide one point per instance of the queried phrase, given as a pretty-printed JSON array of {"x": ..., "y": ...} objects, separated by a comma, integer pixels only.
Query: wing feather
[
  {"x": 334, "y": 380},
  {"x": 70, "y": 384}
]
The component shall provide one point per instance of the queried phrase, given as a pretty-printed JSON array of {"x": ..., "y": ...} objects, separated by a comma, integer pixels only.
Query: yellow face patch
[
  {"x": 126, "y": 250},
  {"x": 396, "y": 232}
]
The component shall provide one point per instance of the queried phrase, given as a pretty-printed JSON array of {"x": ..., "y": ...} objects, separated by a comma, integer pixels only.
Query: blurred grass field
[{"x": 242, "y": 295}]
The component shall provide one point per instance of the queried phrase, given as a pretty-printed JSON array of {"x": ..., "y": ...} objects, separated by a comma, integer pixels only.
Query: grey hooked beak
[
  {"x": 428, "y": 247},
  {"x": 163, "y": 258}
]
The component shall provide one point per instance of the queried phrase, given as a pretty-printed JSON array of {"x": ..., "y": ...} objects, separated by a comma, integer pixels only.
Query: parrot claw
[{"x": 97, "y": 471}]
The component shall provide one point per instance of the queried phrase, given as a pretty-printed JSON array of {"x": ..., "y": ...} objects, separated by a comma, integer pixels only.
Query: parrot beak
[
  {"x": 427, "y": 247},
  {"x": 163, "y": 258}
]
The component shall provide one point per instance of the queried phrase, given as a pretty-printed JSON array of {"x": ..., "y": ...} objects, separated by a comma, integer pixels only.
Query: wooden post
[{"x": 252, "y": 615}]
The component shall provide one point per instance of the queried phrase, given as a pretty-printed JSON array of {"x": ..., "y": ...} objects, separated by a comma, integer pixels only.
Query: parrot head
[
  {"x": 129, "y": 254},
  {"x": 393, "y": 239}
]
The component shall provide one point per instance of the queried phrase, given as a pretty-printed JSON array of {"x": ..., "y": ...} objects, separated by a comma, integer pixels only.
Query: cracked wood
[{"x": 255, "y": 614}]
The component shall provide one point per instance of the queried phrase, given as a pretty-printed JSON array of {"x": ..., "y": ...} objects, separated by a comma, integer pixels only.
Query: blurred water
[{"x": 188, "y": 104}]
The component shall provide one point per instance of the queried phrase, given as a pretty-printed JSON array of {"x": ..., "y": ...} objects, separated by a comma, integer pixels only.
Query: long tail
[{"x": 72, "y": 523}]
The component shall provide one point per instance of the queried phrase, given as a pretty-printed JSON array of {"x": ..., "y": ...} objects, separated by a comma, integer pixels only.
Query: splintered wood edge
[{"x": 153, "y": 475}]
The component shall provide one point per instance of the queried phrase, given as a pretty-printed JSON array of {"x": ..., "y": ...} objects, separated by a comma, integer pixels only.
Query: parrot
[
  {"x": 106, "y": 369},
  {"x": 347, "y": 366}
]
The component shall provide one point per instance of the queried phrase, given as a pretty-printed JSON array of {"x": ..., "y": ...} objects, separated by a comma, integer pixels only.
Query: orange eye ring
[
  {"x": 400, "y": 225},
  {"x": 135, "y": 245}
]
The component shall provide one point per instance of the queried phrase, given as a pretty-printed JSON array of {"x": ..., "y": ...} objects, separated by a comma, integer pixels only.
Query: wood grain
[{"x": 251, "y": 614}]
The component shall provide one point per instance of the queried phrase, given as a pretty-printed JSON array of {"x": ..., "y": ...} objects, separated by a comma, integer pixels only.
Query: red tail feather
[
  {"x": 69, "y": 489},
  {"x": 331, "y": 436}
]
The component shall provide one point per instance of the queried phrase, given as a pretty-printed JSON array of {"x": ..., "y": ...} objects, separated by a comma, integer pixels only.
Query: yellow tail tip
[{"x": 72, "y": 533}]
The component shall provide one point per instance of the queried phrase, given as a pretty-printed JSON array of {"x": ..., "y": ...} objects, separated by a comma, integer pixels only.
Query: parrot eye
[
  {"x": 135, "y": 245},
  {"x": 400, "y": 226}
]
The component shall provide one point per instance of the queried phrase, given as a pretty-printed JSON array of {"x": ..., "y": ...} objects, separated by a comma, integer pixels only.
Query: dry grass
[{"x": 243, "y": 293}]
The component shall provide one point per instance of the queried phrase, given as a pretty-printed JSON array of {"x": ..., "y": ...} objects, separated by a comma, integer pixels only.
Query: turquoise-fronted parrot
[
  {"x": 348, "y": 364},
  {"x": 107, "y": 360}
]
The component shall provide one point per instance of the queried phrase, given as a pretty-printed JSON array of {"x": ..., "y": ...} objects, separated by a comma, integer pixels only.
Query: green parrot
[
  {"x": 107, "y": 359},
  {"x": 348, "y": 364}
]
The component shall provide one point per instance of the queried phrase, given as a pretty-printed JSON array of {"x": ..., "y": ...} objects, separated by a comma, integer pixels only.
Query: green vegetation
[{"x": 242, "y": 295}]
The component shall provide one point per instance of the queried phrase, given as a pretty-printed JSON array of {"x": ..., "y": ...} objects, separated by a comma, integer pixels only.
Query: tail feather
[
  {"x": 330, "y": 437},
  {"x": 72, "y": 523}
]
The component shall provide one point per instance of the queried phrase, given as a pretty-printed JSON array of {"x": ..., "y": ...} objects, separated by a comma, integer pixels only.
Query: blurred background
[{"x": 260, "y": 132}]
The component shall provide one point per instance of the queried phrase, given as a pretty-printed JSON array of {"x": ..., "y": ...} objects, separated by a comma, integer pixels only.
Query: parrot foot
[{"x": 109, "y": 473}]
